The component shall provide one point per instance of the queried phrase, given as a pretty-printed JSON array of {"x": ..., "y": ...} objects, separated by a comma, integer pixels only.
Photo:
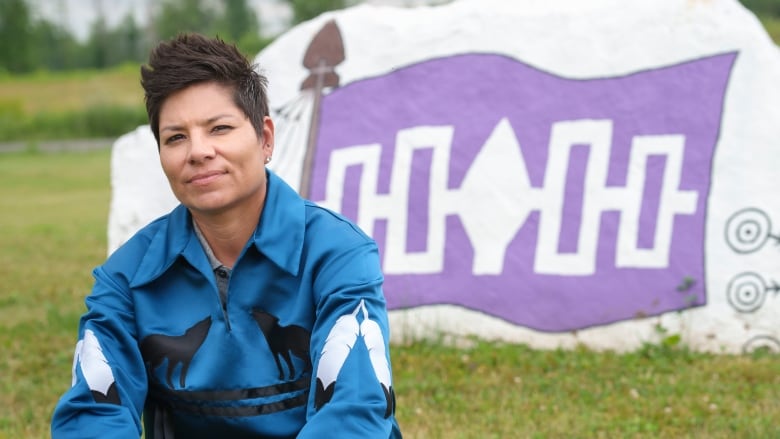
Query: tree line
[
  {"x": 28, "y": 43},
  {"x": 763, "y": 8}
]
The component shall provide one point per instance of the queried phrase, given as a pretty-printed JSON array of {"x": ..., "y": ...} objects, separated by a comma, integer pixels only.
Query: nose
[{"x": 201, "y": 149}]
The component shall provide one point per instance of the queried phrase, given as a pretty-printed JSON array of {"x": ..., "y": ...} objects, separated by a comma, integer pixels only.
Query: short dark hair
[{"x": 188, "y": 59}]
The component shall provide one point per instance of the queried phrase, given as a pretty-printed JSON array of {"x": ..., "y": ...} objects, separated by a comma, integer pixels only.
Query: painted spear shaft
[
  {"x": 308, "y": 158},
  {"x": 324, "y": 53}
]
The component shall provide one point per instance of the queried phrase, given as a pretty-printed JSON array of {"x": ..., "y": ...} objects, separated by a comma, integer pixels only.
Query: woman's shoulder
[
  {"x": 336, "y": 226},
  {"x": 132, "y": 251}
]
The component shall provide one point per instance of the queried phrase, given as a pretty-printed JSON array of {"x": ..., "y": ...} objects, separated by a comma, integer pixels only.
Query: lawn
[
  {"x": 71, "y": 105},
  {"x": 53, "y": 212},
  {"x": 53, "y": 215},
  {"x": 72, "y": 90},
  {"x": 772, "y": 26}
]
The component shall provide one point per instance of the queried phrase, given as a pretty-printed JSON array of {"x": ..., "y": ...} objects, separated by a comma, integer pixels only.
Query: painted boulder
[{"x": 551, "y": 173}]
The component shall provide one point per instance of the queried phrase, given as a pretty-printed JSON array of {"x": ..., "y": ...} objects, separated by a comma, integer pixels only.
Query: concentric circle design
[
  {"x": 746, "y": 292},
  {"x": 748, "y": 230},
  {"x": 767, "y": 342}
]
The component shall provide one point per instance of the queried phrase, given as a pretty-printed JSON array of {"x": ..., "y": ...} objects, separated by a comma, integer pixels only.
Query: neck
[{"x": 228, "y": 232}]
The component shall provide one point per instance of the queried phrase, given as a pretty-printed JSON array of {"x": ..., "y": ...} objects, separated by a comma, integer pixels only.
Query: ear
[{"x": 268, "y": 136}]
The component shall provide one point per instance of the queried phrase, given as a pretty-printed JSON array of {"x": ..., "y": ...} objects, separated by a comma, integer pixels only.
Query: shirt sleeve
[
  {"x": 108, "y": 378},
  {"x": 352, "y": 393}
]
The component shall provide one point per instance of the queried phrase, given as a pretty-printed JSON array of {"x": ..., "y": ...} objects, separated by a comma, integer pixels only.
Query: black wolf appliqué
[
  {"x": 283, "y": 340},
  {"x": 176, "y": 349}
]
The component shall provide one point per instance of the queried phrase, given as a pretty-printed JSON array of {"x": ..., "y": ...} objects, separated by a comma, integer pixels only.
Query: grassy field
[
  {"x": 72, "y": 91},
  {"x": 53, "y": 214},
  {"x": 67, "y": 105},
  {"x": 772, "y": 26}
]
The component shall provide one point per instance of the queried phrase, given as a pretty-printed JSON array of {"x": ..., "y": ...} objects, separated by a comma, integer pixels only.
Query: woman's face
[{"x": 210, "y": 151}]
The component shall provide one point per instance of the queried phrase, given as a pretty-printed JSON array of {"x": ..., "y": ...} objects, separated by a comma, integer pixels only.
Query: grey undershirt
[{"x": 221, "y": 272}]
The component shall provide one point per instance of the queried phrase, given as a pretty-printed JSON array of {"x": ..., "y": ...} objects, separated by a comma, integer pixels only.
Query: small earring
[{"x": 268, "y": 159}]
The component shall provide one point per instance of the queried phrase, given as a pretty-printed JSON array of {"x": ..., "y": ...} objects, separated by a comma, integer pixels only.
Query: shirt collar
[{"x": 279, "y": 235}]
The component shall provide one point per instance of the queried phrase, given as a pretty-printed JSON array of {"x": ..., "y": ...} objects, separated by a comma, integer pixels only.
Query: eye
[
  {"x": 173, "y": 139},
  {"x": 221, "y": 129}
]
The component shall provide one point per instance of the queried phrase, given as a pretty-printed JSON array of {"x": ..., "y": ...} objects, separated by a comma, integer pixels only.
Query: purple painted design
[
  {"x": 472, "y": 93},
  {"x": 351, "y": 190},
  {"x": 572, "y": 206},
  {"x": 418, "y": 205},
  {"x": 650, "y": 200}
]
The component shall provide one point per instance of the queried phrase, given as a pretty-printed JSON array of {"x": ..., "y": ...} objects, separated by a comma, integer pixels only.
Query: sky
[{"x": 78, "y": 15}]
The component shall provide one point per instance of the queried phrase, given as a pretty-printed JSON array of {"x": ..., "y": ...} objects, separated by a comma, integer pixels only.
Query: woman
[{"x": 247, "y": 311}]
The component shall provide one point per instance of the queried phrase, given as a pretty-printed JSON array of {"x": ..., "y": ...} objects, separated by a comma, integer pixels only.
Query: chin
[{"x": 206, "y": 205}]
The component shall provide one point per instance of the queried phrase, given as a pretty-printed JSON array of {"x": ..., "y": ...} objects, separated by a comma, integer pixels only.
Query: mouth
[{"x": 205, "y": 178}]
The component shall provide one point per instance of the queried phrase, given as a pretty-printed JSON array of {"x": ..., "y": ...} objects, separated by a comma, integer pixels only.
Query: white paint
[{"x": 140, "y": 191}]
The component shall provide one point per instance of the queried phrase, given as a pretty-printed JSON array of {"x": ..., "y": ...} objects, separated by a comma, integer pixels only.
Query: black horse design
[
  {"x": 283, "y": 340},
  {"x": 176, "y": 349}
]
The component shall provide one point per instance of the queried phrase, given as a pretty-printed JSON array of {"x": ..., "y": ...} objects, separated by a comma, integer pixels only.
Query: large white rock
[
  {"x": 546, "y": 172},
  {"x": 139, "y": 189}
]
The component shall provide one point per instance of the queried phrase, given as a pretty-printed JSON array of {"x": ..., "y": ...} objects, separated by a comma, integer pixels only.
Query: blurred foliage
[
  {"x": 307, "y": 9},
  {"x": 766, "y": 8},
  {"x": 71, "y": 104},
  {"x": 15, "y": 35},
  {"x": 95, "y": 121},
  {"x": 28, "y": 43},
  {"x": 175, "y": 16}
]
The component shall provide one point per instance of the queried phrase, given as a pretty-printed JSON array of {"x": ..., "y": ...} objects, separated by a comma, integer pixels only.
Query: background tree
[
  {"x": 131, "y": 40},
  {"x": 307, "y": 9},
  {"x": 176, "y": 16},
  {"x": 15, "y": 36},
  {"x": 232, "y": 20},
  {"x": 240, "y": 24},
  {"x": 97, "y": 45},
  {"x": 55, "y": 48},
  {"x": 763, "y": 7},
  {"x": 26, "y": 44},
  {"x": 237, "y": 20}
]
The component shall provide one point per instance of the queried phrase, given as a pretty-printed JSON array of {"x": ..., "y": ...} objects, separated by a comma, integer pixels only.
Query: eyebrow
[{"x": 208, "y": 121}]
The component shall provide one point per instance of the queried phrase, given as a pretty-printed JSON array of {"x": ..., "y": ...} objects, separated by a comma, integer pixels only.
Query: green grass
[
  {"x": 68, "y": 105},
  {"x": 53, "y": 214},
  {"x": 498, "y": 390},
  {"x": 772, "y": 26},
  {"x": 72, "y": 90}
]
